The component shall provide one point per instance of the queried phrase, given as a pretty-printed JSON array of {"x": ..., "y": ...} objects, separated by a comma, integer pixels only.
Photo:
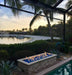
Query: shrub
[
  {"x": 27, "y": 49},
  {"x": 23, "y": 54},
  {"x": 7, "y": 68},
  {"x": 37, "y": 46},
  {"x": 69, "y": 38},
  {"x": 4, "y": 55},
  {"x": 70, "y": 49},
  {"x": 62, "y": 47},
  {"x": 23, "y": 50}
]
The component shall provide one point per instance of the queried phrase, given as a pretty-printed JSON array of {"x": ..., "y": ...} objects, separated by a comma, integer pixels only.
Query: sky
[{"x": 10, "y": 22}]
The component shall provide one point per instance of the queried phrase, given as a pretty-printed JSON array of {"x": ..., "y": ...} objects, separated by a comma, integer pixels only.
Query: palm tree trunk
[
  {"x": 4, "y": 2},
  {"x": 30, "y": 28},
  {"x": 49, "y": 25}
]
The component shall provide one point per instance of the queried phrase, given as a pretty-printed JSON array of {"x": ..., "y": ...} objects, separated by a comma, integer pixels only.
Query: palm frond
[
  {"x": 34, "y": 18},
  {"x": 31, "y": 6},
  {"x": 15, "y": 3},
  {"x": 49, "y": 2},
  {"x": 51, "y": 16},
  {"x": 7, "y": 67},
  {"x": 69, "y": 3}
]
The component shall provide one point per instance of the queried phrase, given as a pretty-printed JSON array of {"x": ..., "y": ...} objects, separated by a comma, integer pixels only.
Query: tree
[
  {"x": 15, "y": 3},
  {"x": 36, "y": 16},
  {"x": 46, "y": 12},
  {"x": 57, "y": 29},
  {"x": 69, "y": 23},
  {"x": 18, "y": 4},
  {"x": 69, "y": 30},
  {"x": 69, "y": 3},
  {"x": 23, "y": 29}
]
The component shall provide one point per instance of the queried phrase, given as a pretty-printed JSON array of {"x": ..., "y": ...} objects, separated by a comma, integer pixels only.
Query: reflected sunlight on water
[{"x": 13, "y": 40}]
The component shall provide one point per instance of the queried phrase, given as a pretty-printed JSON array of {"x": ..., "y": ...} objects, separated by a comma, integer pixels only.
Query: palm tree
[
  {"x": 15, "y": 3},
  {"x": 69, "y": 3},
  {"x": 51, "y": 19},
  {"x": 18, "y": 4},
  {"x": 46, "y": 12},
  {"x": 36, "y": 16}
]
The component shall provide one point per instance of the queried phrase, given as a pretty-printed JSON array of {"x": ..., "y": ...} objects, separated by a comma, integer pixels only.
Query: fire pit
[{"x": 34, "y": 63}]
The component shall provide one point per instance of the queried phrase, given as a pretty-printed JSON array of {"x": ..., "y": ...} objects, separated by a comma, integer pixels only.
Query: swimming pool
[{"x": 65, "y": 69}]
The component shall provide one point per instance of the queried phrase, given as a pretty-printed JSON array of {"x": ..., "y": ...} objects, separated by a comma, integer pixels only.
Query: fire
[{"x": 38, "y": 57}]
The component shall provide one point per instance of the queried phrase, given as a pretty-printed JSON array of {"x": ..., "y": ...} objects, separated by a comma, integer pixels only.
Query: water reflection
[{"x": 13, "y": 40}]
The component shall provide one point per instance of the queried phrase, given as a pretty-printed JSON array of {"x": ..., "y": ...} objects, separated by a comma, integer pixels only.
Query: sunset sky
[{"x": 9, "y": 22}]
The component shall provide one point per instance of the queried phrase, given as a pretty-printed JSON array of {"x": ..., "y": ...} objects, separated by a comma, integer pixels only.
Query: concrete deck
[{"x": 53, "y": 67}]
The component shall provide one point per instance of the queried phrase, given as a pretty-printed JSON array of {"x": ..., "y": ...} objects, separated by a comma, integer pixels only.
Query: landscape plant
[
  {"x": 7, "y": 68},
  {"x": 4, "y": 55}
]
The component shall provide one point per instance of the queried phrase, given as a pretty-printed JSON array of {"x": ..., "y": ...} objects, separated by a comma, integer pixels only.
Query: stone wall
[{"x": 35, "y": 67}]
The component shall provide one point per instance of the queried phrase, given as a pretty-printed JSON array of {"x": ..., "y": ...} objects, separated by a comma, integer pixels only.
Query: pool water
[{"x": 65, "y": 69}]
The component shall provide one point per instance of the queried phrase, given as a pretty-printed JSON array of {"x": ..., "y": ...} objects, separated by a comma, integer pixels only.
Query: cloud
[
  {"x": 22, "y": 22},
  {"x": 1, "y": 1},
  {"x": 5, "y": 17},
  {"x": 19, "y": 23},
  {"x": 63, "y": 4},
  {"x": 5, "y": 11},
  {"x": 59, "y": 16},
  {"x": 1, "y": 11},
  {"x": 9, "y": 22},
  {"x": 14, "y": 23}
]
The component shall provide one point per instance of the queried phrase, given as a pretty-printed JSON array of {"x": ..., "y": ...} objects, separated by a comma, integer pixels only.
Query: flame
[
  {"x": 49, "y": 53},
  {"x": 38, "y": 56},
  {"x": 45, "y": 53}
]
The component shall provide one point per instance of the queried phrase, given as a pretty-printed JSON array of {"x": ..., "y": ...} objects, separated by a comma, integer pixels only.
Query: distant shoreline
[{"x": 33, "y": 37}]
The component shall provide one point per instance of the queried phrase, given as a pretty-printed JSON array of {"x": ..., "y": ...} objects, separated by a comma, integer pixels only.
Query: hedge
[{"x": 36, "y": 47}]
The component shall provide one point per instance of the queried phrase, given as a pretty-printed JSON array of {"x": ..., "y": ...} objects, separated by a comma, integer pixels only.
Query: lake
[{"x": 13, "y": 40}]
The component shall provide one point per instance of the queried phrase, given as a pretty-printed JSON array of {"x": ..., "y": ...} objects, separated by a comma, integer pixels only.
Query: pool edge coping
[{"x": 45, "y": 71}]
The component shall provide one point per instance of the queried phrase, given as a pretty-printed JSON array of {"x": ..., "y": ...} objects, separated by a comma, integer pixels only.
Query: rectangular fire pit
[{"x": 34, "y": 63}]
